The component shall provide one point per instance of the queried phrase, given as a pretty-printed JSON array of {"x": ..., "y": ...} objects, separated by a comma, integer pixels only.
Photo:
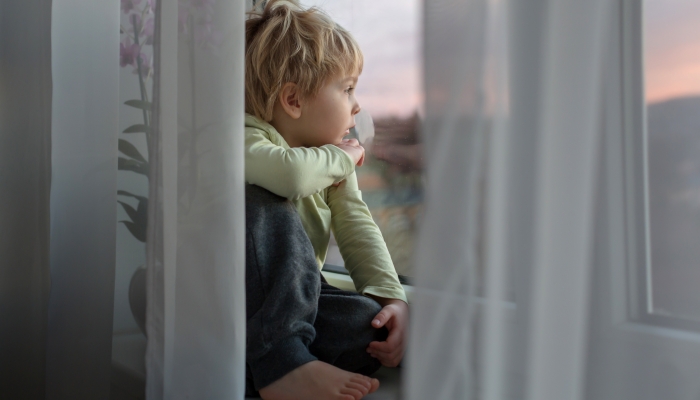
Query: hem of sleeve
[
  {"x": 385, "y": 292},
  {"x": 349, "y": 166},
  {"x": 283, "y": 357}
]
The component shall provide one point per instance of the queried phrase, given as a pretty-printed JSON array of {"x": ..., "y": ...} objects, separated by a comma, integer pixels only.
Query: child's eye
[{"x": 348, "y": 90}]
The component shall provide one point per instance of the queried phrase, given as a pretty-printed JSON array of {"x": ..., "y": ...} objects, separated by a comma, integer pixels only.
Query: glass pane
[
  {"x": 672, "y": 74},
  {"x": 389, "y": 89}
]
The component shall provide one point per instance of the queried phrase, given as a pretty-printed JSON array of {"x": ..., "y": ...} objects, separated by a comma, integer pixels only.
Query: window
[
  {"x": 389, "y": 89},
  {"x": 668, "y": 282}
]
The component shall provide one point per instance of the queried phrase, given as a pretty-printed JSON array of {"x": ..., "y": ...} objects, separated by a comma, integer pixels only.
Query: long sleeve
[
  {"x": 361, "y": 243},
  {"x": 293, "y": 173}
]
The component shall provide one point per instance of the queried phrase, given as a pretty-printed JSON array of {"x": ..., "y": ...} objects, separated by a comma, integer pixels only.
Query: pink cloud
[{"x": 672, "y": 64}]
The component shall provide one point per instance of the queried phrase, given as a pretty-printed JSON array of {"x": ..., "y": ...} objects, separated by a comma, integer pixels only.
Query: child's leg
[
  {"x": 344, "y": 330},
  {"x": 282, "y": 290}
]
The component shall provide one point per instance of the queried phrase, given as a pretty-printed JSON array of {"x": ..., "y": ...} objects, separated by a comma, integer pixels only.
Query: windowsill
[
  {"x": 389, "y": 384},
  {"x": 343, "y": 281}
]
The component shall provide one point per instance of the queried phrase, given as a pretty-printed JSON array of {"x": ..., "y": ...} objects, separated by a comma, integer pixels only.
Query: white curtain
[
  {"x": 84, "y": 127},
  {"x": 195, "y": 250},
  {"x": 534, "y": 137},
  {"x": 512, "y": 110},
  {"x": 535, "y": 241}
]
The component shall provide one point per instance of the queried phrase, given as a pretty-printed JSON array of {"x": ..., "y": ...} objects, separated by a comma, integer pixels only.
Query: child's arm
[
  {"x": 361, "y": 243},
  {"x": 296, "y": 172},
  {"x": 369, "y": 263}
]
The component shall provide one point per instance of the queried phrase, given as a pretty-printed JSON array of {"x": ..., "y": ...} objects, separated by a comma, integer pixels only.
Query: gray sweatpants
[{"x": 294, "y": 316}]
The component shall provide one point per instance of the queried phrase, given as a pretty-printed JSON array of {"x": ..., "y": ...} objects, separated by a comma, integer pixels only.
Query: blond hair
[{"x": 286, "y": 43}]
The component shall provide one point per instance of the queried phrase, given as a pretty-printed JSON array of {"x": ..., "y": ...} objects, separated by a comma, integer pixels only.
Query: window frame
[{"x": 640, "y": 305}]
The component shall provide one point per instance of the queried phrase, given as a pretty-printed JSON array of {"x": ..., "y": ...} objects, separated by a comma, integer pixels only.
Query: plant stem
[{"x": 142, "y": 85}]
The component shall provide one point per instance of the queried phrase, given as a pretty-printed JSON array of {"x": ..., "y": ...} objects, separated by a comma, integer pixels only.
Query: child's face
[{"x": 328, "y": 116}]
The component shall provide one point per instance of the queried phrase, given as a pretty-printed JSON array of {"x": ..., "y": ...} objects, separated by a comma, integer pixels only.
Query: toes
[
  {"x": 356, "y": 394},
  {"x": 375, "y": 385},
  {"x": 362, "y": 380},
  {"x": 371, "y": 384},
  {"x": 360, "y": 387}
]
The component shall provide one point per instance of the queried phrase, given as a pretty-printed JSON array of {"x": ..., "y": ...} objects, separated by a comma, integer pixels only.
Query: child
[{"x": 307, "y": 339}]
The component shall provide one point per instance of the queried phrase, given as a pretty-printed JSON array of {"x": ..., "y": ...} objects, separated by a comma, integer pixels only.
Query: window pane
[
  {"x": 389, "y": 89},
  {"x": 672, "y": 74}
]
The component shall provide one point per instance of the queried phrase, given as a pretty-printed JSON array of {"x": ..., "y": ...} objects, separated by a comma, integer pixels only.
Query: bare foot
[{"x": 318, "y": 380}]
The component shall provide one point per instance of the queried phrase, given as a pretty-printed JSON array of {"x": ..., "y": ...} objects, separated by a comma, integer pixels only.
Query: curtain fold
[
  {"x": 441, "y": 354},
  {"x": 85, "y": 117},
  {"x": 155, "y": 269},
  {"x": 574, "y": 45},
  {"x": 196, "y": 299},
  {"x": 501, "y": 292},
  {"x": 25, "y": 182}
]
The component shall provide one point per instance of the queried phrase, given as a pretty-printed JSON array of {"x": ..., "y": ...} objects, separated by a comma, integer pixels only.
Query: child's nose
[{"x": 356, "y": 109}]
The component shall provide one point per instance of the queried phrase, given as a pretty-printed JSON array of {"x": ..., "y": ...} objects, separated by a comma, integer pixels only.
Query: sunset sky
[
  {"x": 389, "y": 32},
  {"x": 672, "y": 48}
]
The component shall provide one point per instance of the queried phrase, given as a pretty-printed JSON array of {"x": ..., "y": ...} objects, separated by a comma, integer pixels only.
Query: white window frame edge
[{"x": 637, "y": 312}]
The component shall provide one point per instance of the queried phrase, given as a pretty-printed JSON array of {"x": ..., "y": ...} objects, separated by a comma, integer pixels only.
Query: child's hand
[
  {"x": 394, "y": 316},
  {"x": 354, "y": 150}
]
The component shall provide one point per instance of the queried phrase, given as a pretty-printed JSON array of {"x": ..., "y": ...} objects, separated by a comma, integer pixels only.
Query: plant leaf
[
  {"x": 140, "y": 104},
  {"x": 142, "y": 213},
  {"x": 130, "y": 211},
  {"x": 138, "y": 128},
  {"x": 136, "y": 230},
  {"x": 125, "y": 193},
  {"x": 139, "y": 218},
  {"x": 125, "y": 164},
  {"x": 130, "y": 150}
]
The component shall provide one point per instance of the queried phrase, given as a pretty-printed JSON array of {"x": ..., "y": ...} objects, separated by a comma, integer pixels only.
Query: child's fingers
[
  {"x": 385, "y": 347},
  {"x": 381, "y": 319},
  {"x": 362, "y": 160},
  {"x": 388, "y": 359},
  {"x": 381, "y": 347},
  {"x": 394, "y": 353},
  {"x": 389, "y": 353}
]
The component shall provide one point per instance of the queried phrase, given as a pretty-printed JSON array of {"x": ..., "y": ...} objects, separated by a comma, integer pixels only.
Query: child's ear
[{"x": 290, "y": 99}]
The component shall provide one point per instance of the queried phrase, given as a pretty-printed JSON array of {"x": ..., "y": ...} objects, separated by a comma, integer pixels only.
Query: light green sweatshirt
[{"x": 305, "y": 175}]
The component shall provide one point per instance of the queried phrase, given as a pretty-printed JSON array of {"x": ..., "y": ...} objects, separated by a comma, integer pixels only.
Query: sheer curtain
[
  {"x": 195, "y": 252},
  {"x": 85, "y": 71},
  {"x": 513, "y": 111}
]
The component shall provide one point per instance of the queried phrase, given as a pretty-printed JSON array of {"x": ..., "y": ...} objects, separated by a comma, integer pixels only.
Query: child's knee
[{"x": 365, "y": 314}]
